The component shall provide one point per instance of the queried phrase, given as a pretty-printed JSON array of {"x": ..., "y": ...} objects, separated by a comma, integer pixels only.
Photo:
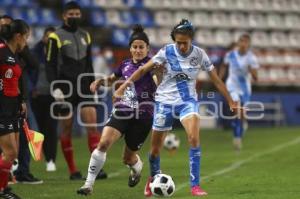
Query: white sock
[
  {"x": 96, "y": 164},
  {"x": 138, "y": 166}
]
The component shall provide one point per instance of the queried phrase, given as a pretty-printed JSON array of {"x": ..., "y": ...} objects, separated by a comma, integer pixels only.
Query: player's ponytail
[
  {"x": 17, "y": 26},
  {"x": 138, "y": 34},
  {"x": 184, "y": 27}
]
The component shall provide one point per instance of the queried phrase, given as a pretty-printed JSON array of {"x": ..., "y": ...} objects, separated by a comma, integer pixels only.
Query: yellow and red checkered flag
[{"x": 35, "y": 142}]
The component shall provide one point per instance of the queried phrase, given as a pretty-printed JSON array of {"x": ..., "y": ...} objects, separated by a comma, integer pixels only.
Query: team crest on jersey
[
  {"x": 83, "y": 41},
  {"x": 9, "y": 73},
  {"x": 10, "y": 60},
  {"x": 66, "y": 42},
  {"x": 194, "y": 61}
]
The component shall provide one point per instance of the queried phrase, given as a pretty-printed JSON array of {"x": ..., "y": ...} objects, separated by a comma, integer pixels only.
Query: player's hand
[
  {"x": 235, "y": 107},
  {"x": 95, "y": 85},
  {"x": 120, "y": 91},
  {"x": 58, "y": 95}
]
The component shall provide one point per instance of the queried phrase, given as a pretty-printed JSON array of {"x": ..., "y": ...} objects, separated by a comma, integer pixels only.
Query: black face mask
[{"x": 73, "y": 22}]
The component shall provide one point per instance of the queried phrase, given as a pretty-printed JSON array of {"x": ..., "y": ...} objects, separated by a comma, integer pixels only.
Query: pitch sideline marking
[{"x": 238, "y": 164}]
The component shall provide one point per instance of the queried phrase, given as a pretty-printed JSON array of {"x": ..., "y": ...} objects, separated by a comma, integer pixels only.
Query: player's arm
[
  {"x": 222, "y": 88},
  {"x": 138, "y": 74},
  {"x": 253, "y": 72},
  {"x": 105, "y": 81},
  {"x": 53, "y": 47}
]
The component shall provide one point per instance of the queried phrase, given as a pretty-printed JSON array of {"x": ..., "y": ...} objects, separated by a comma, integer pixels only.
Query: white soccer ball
[
  {"x": 171, "y": 142},
  {"x": 162, "y": 185}
]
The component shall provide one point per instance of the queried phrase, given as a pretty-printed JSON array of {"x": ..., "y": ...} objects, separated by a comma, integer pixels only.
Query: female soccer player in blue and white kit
[
  {"x": 176, "y": 97},
  {"x": 242, "y": 64}
]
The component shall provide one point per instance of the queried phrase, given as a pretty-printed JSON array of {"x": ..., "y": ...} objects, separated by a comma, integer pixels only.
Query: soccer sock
[
  {"x": 93, "y": 140},
  {"x": 5, "y": 167},
  {"x": 154, "y": 165},
  {"x": 66, "y": 145},
  {"x": 138, "y": 166},
  {"x": 195, "y": 156},
  {"x": 96, "y": 164},
  {"x": 237, "y": 128}
]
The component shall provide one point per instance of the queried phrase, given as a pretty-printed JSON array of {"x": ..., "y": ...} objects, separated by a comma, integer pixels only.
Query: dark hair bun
[{"x": 137, "y": 28}]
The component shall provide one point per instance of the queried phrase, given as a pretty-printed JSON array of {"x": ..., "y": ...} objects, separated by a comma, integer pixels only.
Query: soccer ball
[
  {"x": 162, "y": 185},
  {"x": 171, "y": 142}
]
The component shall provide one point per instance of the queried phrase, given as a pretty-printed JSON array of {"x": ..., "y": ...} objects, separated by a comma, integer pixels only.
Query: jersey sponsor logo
[
  {"x": 9, "y": 73},
  {"x": 10, "y": 127},
  {"x": 66, "y": 42},
  {"x": 2, "y": 126},
  {"x": 182, "y": 76},
  {"x": 10, "y": 60},
  {"x": 194, "y": 61},
  {"x": 83, "y": 41}
]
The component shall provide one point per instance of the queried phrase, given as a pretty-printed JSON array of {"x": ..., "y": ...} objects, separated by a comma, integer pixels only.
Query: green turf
[{"x": 266, "y": 168}]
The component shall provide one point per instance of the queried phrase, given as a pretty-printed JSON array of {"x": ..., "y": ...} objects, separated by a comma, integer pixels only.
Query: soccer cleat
[
  {"x": 134, "y": 178},
  {"x": 50, "y": 166},
  {"x": 76, "y": 176},
  {"x": 147, "y": 190},
  {"x": 101, "y": 175},
  {"x": 7, "y": 194},
  {"x": 85, "y": 190},
  {"x": 197, "y": 191},
  {"x": 28, "y": 179}
]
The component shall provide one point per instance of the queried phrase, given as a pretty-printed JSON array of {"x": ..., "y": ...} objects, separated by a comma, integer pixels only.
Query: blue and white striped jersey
[{"x": 179, "y": 80}]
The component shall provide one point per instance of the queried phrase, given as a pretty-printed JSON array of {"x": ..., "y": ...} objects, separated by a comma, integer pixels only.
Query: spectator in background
[
  {"x": 68, "y": 57},
  {"x": 41, "y": 101},
  {"x": 242, "y": 65}
]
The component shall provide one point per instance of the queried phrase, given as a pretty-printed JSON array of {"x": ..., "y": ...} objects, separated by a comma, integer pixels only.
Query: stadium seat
[
  {"x": 261, "y": 5},
  {"x": 17, "y": 13},
  {"x": 181, "y": 15},
  {"x": 294, "y": 39},
  {"x": 202, "y": 19},
  {"x": 223, "y": 38},
  {"x": 32, "y": 16},
  {"x": 152, "y": 4},
  {"x": 108, "y": 3},
  {"x": 279, "y": 5},
  {"x": 295, "y": 5},
  {"x": 113, "y": 18},
  {"x": 256, "y": 20},
  {"x": 260, "y": 39},
  {"x": 120, "y": 37},
  {"x": 48, "y": 17},
  {"x": 220, "y": 19},
  {"x": 82, "y": 3},
  {"x": 134, "y": 3},
  {"x": 163, "y": 18},
  {"x": 153, "y": 37},
  {"x": 238, "y": 20},
  {"x": 278, "y": 39},
  {"x": 292, "y": 21},
  {"x": 205, "y": 37},
  {"x": 97, "y": 18},
  {"x": 127, "y": 17},
  {"x": 163, "y": 36},
  {"x": 275, "y": 21},
  {"x": 144, "y": 17}
]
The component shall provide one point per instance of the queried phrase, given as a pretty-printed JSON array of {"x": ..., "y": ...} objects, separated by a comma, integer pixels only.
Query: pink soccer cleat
[
  {"x": 197, "y": 191},
  {"x": 147, "y": 190}
]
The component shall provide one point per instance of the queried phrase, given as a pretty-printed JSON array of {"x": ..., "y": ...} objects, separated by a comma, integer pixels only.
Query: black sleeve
[
  {"x": 30, "y": 61},
  {"x": 51, "y": 60}
]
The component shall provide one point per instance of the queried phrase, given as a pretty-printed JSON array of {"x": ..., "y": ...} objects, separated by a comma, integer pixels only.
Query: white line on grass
[{"x": 238, "y": 164}]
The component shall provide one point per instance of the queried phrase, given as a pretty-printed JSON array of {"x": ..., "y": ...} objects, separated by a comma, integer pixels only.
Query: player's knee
[{"x": 104, "y": 145}]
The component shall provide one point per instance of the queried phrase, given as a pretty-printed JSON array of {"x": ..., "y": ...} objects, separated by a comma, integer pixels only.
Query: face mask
[{"x": 73, "y": 22}]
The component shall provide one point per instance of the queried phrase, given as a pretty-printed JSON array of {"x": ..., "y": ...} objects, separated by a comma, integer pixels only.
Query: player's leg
[
  {"x": 237, "y": 124},
  {"x": 67, "y": 148},
  {"x": 9, "y": 149},
  {"x": 189, "y": 117},
  {"x": 135, "y": 136},
  {"x": 98, "y": 158}
]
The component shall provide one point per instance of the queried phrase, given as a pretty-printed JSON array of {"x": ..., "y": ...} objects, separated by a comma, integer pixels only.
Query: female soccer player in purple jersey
[
  {"x": 131, "y": 117},
  {"x": 176, "y": 97}
]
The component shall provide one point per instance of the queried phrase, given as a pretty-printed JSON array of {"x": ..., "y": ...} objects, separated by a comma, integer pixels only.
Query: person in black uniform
[
  {"x": 68, "y": 58},
  {"x": 15, "y": 35}
]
